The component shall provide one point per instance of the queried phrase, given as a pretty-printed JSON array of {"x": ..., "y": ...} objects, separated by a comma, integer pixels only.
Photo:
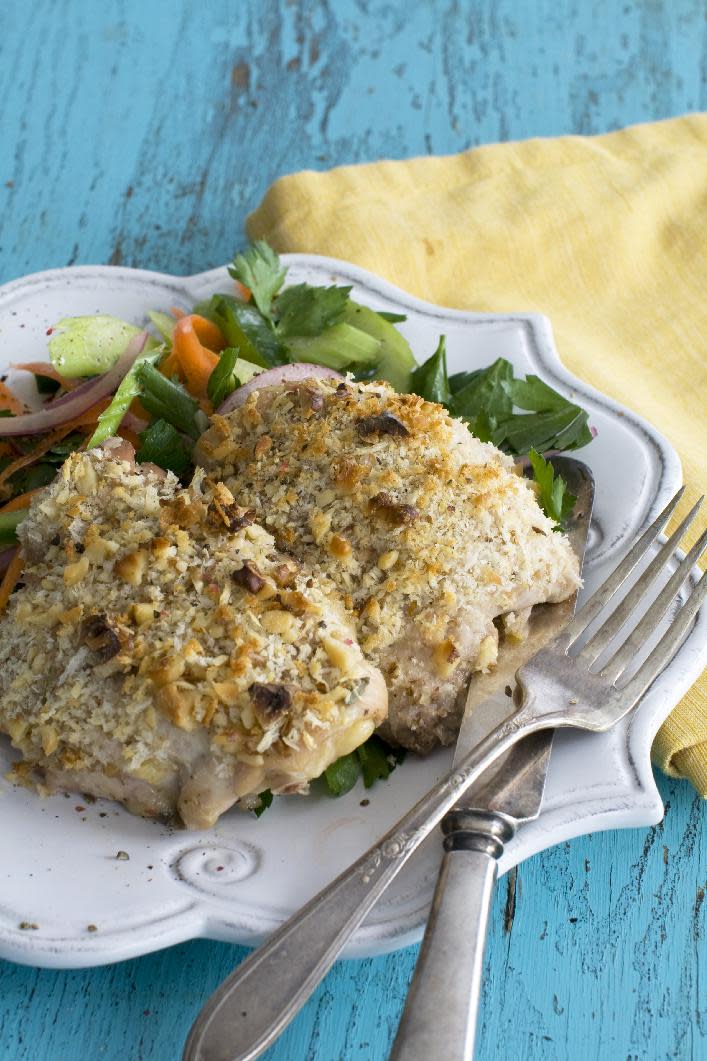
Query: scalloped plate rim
[{"x": 198, "y": 918}]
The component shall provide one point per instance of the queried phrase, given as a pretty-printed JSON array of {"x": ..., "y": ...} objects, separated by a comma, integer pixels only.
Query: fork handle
[
  {"x": 250, "y": 1009},
  {"x": 449, "y": 969}
]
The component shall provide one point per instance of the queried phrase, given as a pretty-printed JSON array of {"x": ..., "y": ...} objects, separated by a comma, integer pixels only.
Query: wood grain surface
[{"x": 143, "y": 133}]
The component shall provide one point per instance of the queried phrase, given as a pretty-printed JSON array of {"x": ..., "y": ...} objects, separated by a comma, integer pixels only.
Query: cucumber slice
[
  {"x": 339, "y": 347},
  {"x": 244, "y": 326},
  {"x": 164, "y": 324},
  {"x": 395, "y": 359},
  {"x": 244, "y": 370}
]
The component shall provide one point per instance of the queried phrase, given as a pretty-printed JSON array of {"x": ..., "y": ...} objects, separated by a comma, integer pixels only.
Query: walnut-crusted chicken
[
  {"x": 162, "y": 652},
  {"x": 427, "y": 533}
]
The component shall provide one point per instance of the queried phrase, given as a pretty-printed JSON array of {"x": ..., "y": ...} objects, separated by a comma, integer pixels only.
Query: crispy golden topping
[
  {"x": 151, "y": 611},
  {"x": 426, "y": 532}
]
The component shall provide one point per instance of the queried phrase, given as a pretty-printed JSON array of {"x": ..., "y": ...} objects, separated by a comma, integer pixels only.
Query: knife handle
[{"x": 439, "y": 1019}]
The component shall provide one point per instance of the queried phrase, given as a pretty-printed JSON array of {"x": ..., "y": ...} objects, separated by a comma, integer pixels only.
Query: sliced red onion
[
  {"x": 6, "y": 558},
  {"x": 75, "y": 403},
  {"x": 56, "y": 403},
  {"x": 294, "y": 373}
]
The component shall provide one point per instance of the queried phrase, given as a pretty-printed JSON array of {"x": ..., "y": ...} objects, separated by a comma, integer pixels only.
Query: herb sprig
[{"x": 520, "y": 416}]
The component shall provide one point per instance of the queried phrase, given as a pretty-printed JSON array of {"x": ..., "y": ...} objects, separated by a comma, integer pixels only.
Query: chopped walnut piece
[
  {"x": 285, "y": 574},
  {"x": 446, "y": 657},
  {"x": 76, "y": 572},
  {"x": 177, "y": 704},
  {"x": 388, "y": 560},
  {"x": 248, "y": 577},
  {"x": 384, "y": 424},
  {"x": 131, "y": 567},
  {"x": 182, "y": 511},
  {"x": 339, "y": 546},
  {"x": 296, "y": 602},
  {"x": 262, "y": 446},
  {"x": 270, "y": 697},
  {"x": 347, "y": 473},
  {"x": 385, "y": 506},
  {"x": 224, "y": 512},
  {"x": 101, "y": 636},
  {"x": 310, "y": 399}
]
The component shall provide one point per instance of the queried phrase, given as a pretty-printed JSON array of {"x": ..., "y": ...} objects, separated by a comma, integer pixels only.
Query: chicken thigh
[
  {"x": 428, "y": 534},
  {"x": 163, "y": 653}
]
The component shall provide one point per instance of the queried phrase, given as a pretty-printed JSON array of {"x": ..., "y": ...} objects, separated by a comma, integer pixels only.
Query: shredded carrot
[
  {"x": 10, "y": 401},
  {"x": 242, "y": 291},
  {"x": 46, "y": 369},
  {"x": 86, "y": 419},
  {"x": 21, "y": 501},
  {"x": 29, "y": 458},
  {"x": 209, "y": 333},
  {"x": 196, "y": 359},
  {"x": 10, "y": 579},
  {"x": 177, "y": 312},
  {"x": 139, "y": 410},
  {"x": 169, "y": 365}
]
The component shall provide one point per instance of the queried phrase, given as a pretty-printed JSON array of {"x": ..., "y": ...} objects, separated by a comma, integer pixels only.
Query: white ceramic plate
[{"x": 238, "y": 881}]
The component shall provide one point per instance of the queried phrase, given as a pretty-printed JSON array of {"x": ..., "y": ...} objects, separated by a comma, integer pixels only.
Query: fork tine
[
  {"x": 606, "y": 591},
  {"x": 668, "y": 645},
  {"x": 638, "y": 637},
  {"x": 610, "y": 628}
]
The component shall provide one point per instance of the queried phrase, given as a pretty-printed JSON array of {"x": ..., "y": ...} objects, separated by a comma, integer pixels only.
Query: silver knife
[{"x": 439, "y": 1019}]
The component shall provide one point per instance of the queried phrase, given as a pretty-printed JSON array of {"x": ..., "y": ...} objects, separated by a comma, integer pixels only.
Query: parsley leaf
[
  {"x": 489, "y": 400},
  {"x": 430, "y": 380},
  {"x": 486, "y": 392},
  {"x": 162, "y": 444},
  {"x": 378, "y": 760},
  {"x": 65, "y": 446},
  {"x": 222, "y": 380},
  {"x": 45, "y": 385},
  {"x": 260, "y": 270},
  {"x": 553, "y": 497},
  {"x": 559, "y": 429},
  {"x": 375, "y": 760},
  {"x": 32, "y": 478},
  {"x": 306, "y": 310},
  {"x": 531, "y": 393},
  {"x": 168, "y": 400},
  {"x": 342, "y": 775},
  {"x": 266, "y": 799}
]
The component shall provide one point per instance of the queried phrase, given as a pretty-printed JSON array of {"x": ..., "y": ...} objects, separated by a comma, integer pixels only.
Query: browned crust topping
[
  {"x": 426, "y": 532},
  {"x": 160, "y": 624}
]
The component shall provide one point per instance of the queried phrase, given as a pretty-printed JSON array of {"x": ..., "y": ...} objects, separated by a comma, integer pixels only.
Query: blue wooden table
[{"x": 141, "y": 132}]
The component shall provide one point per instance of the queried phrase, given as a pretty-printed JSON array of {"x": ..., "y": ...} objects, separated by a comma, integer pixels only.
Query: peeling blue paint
[{"x": 142, "y": 133}]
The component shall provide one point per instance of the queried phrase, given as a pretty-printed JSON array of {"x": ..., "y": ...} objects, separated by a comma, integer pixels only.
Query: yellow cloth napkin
[{"x": 607, "y": 235}]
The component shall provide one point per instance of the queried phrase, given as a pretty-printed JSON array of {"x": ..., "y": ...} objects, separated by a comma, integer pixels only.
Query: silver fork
[{"x": 555, "y": 689}]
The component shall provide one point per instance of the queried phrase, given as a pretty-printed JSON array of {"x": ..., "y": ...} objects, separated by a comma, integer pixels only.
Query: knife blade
[{"x": 449, "y": 968}]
